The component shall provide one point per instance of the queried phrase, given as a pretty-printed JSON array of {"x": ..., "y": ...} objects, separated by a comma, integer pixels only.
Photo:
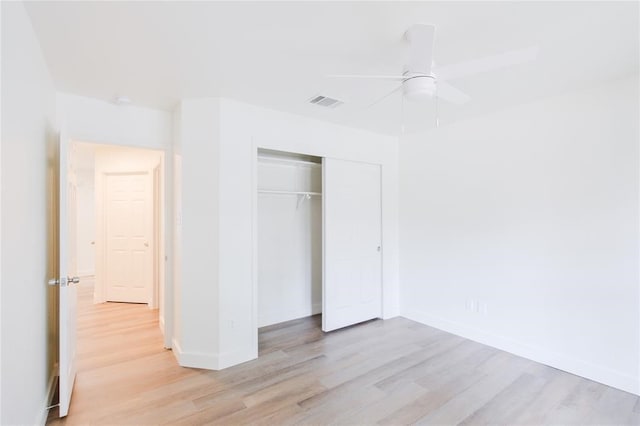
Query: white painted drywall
[
  {"x": 531, "y": 215},
  {"x": 28, "y": 138},
  {"x": 196, "y": 308},
  {"x": 93, "y": 120},
  {"x": 86, "y": 222},
  {"x": 289, "y": 241}
]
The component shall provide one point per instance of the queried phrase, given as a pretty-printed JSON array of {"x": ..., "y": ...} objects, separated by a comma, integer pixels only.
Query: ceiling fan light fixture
[{"x": 419, "y": 88}]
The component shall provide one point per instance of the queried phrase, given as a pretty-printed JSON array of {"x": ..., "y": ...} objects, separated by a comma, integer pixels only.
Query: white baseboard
[
  {"x": 41, "y": 418},
  {"x": 195, "y": 359},
  {"x": 161, "y": 324},
  {"x": 176, "y": 349},
  {"x": 545, "y": 356},
  {"x": 210, "y": 361}
]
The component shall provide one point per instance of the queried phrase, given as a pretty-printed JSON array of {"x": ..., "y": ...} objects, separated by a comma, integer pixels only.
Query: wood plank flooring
[{"x": 380, "y": 372}]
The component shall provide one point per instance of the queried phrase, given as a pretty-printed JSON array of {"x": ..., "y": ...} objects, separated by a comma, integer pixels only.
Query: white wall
[
  {"x": 28, "y": 136},
  {"x": 86, "y": 222},
  {"x": 531, "y": 214},
  {"x": 196, "y": 281},
  {"x": 289, "y": 241},
  {"x": 219, "y": 139},
  {"x": 93, "y": 120}
]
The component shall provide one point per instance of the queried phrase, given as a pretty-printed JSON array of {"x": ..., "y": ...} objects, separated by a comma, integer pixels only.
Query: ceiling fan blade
[
  {"x": 374, "y": 77},
  {"x": 449, "y": 93},
  {"x": 489, "y": 63},
  {"x": 420, "y": 38},
  {"x": 384, "y": 97}
]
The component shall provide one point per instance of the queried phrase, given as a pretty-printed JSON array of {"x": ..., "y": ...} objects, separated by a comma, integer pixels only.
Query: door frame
[
  {"x": 255, "y": 146},
  {"x": 161, "y": 230}
]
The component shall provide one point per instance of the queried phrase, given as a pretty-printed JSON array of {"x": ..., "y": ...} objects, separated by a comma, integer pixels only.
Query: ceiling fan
[{"x": 422, "y": 81}]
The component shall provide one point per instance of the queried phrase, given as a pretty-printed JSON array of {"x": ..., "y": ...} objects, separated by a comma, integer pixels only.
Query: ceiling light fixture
[{"x": 122, "y": 100}]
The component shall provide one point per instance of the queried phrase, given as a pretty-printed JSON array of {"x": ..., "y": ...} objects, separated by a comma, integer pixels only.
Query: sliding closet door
[{"x": 352, "y": 284}]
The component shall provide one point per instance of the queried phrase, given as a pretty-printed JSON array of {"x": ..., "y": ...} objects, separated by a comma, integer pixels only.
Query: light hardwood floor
[{"x": 387, "y": 372}]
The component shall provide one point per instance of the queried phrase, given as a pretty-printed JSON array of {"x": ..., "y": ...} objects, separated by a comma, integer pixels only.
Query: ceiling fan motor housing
[{"x": 419, "y": 88}]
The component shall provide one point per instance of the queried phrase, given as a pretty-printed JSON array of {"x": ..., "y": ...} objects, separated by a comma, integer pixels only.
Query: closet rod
[{"x": 264, "y": 191}]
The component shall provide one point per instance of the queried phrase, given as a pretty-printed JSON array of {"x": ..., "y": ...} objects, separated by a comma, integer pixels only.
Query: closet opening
[{"x": 289, "y": 247}]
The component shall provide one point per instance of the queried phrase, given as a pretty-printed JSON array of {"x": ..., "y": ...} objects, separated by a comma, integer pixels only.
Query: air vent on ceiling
[{"x": 325, "y": 101}]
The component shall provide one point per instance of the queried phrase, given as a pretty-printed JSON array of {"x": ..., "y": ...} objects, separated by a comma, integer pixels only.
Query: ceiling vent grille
[{"x": 324, "y": 101}]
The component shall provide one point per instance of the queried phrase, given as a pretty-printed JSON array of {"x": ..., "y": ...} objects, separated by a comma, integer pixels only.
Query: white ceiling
[{"x": 277, "y": 54}]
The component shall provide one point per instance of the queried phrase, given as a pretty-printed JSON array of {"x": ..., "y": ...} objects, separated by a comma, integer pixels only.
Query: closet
[
  {"x": 289, "y": 236},
  {"x": 319, "y": 244}
]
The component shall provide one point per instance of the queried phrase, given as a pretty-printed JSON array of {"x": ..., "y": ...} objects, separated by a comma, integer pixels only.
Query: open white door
[
  {"x": 67, "y": 279},
  {"x": 352, "y": 279}
]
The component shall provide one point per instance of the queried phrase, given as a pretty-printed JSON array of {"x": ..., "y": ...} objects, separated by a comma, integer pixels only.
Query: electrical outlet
[
  {"x": 483, "y": 308},
  {"x": 476, "y": 306},
  {"x": 472, "y": 305}
]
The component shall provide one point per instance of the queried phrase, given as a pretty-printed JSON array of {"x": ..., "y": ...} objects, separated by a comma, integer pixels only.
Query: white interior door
[
  {"x": 67, "y": 263},
  {"x": 129, "y": 230},
  {"x": 352, "y": 279}
]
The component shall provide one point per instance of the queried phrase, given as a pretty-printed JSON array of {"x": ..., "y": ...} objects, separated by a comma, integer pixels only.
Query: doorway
[
  {"x": 289, "y": 223},
  {"x": 120, "y": 223},
  {"x": 119, "y": 226}
]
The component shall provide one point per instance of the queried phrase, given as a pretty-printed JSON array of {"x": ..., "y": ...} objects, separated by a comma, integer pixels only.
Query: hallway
[{"x": 120, "y": 358}]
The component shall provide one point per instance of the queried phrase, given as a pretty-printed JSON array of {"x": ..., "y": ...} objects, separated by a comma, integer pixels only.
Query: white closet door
[{"x": 352, "y": 279}]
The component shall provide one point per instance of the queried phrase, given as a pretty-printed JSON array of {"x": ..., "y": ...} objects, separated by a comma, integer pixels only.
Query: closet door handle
[{"x": 379, "y": 248}]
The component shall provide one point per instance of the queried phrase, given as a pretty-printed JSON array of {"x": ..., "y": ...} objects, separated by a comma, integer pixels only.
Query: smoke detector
[{"x": 122, "y": 100}]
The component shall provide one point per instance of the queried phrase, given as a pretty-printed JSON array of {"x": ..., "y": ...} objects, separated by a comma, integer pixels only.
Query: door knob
[
  {"x": 146, "y": 244},
  {"x": 64, "y": 282}
]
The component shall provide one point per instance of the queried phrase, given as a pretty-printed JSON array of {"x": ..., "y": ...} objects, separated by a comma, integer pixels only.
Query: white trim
[
  {"x": 195, "y": 359},
  {"x": 287, "y": 161},
  {"x": 254, "y": 247},
  {"x": 41, "y": 418},
  {"x": 176, "y": 349},
  {"x": 268, "y": 191},
  {"x": 579, "y": 367}
]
